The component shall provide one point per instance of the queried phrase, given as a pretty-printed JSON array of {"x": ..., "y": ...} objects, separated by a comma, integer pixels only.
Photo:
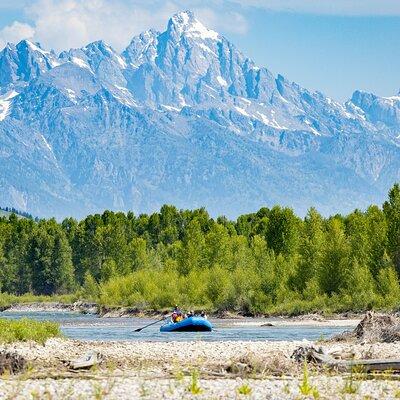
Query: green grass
[
  {"x": 350, "y": 386},
  {"x": 245, "y": 389},
  {"x": 24, "y": 329},
  {"x": 194, "y": 387},
  {"x": 305, "y": 387}
]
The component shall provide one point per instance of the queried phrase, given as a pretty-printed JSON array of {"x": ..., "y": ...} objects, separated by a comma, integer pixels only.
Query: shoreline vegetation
[
  {"x": 266, "y": 263},
  {"x": 25, "y": 329}
]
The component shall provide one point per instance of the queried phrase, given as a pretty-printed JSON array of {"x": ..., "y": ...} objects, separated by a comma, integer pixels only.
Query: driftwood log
[
  {"x": 90, "y": 360},
  {"x": 11, "y": 363},
  {"x": 373, "y": 328},
  {"x": 312, "y": 355}
]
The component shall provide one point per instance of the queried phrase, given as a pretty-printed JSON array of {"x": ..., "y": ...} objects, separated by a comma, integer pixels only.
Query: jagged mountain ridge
[{"x": 182, "y": 117}]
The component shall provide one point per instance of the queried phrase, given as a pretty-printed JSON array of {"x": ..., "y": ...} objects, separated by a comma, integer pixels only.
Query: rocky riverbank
[
  {"x": 201, "y": 370},
  {"x": 78, "y": 306}
]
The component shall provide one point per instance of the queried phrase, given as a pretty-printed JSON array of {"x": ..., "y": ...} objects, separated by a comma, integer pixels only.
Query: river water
[{"x": 91, "y": 327}]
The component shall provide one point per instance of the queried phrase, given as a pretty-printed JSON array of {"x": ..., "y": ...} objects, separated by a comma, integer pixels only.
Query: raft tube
[{"x": 191, "y": 324}]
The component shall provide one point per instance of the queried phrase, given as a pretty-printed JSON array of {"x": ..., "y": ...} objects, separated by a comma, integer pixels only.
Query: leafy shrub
[{"x": 24, "y": 329}]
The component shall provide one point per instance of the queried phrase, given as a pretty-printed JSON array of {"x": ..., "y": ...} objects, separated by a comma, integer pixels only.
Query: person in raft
[{"x": 177, "y": 315}]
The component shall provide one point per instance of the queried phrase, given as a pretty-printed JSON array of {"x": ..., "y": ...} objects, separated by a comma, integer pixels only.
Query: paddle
[{"x": 153, "y": 323}]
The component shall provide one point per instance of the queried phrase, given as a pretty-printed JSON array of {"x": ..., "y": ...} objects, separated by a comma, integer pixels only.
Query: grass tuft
[
  {"x": 305, "y": 387},
  {"x": 25, "y": 329},
  {"x": 194, "y": 387},
  {"x": 245, "y": 389}
]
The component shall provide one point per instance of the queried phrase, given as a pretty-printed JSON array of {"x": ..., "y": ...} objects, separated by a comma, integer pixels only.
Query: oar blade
[{"x": 153, "y": 323}]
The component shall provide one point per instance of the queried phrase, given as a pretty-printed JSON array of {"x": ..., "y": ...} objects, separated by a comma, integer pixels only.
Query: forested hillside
[{"x": 269, "y": 261}]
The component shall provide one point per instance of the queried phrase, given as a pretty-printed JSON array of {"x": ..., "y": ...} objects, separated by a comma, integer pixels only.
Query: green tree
[
  {"x": 90, "y": 287},
  {"x": 193, "y": 249},
  {"x": 218, "y": 249},
  {"x": 18, "y": 269},
  {"x": 360, "y": 287},
  {"x": 388, "y": 287},
  {"x": 336, "y": 259},
  {"x": 357, "y": 234},
  {"x": 311, "y": 249},
  {"x": 50, "y": 258},
  {"x": 377, "y": 239},
  {"x": 391, "y": 208},
  {"x": 138, "y": 255},
  {"x": 62, "y": 269},
  {"x": 283, "y": 231}
]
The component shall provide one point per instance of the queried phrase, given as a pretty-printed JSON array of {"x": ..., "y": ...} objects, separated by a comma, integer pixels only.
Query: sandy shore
[{"x": 159, "y": 370}]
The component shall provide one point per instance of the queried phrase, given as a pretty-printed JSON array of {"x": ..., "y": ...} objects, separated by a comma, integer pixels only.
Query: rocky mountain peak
[
  {"x": 142, "y": 48},
  {"x": 25, "y": 61},
  {"x": 183, "y": 117},
  {"x": 30, "y": 46},
  {"x": 185, "y": 23}
]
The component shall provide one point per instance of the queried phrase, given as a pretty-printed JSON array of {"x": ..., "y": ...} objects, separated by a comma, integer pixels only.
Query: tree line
[
  {"x": 270, "y": 261},
  {"x": 13, "y": 210}
]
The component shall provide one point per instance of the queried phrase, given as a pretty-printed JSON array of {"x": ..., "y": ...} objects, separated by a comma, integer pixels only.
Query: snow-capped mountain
[{"x": 183, "y": 117}]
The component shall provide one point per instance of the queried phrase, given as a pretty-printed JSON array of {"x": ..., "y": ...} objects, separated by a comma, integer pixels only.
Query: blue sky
[{"x": 333, "y": 46}]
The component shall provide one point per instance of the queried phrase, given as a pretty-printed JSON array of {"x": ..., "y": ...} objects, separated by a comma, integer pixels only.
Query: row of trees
[
  {"x": 267, "y": 261},
  {"x": 13, "y": 210}
]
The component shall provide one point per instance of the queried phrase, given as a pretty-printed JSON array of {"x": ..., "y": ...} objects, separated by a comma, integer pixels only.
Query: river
[{"x": 91, "y": 327}]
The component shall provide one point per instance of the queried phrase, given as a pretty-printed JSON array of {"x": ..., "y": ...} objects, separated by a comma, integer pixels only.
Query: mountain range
[{"x": 183, "y": 117}]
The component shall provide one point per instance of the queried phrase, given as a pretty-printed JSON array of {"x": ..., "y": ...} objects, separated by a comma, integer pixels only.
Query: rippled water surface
[{"x": 91, "y": 327}]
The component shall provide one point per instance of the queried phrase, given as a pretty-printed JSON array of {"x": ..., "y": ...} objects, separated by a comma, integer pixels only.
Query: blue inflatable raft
[{"x": 191, "y": 324}]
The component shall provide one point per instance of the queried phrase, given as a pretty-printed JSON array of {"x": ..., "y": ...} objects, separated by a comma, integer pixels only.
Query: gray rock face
[{"x": 183, "y": 117}]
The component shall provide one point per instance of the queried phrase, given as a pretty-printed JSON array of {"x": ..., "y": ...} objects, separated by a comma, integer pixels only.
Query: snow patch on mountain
[
  {"x": 5, "y": 103},
  {"x": 186, "y": 23},
  {"x": 80, "y": 63},
  {"x": 242, "y": 111},
  {"x": 46, "y": 143},
  {"x": 221, "y": 81}
]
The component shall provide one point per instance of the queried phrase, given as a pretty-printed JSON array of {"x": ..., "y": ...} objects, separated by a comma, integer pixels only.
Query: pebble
[{"x": 149, "y": 370}]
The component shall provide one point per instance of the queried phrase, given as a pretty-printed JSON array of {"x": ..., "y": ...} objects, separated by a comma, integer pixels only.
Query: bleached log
[
  {"x": 89, "y": 360},
  {"x": 348, "y": 365}
]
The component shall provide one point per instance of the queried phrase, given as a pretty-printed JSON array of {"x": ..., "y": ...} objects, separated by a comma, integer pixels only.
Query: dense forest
[{"x": 270, "y": 261}]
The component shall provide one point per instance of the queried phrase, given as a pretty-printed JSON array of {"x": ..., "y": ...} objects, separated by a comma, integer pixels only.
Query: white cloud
[
  {"x": 62, "y": 24},
  {"x": 15, "y": 32},
  {"x": 329, "y": 7},
  {"x": 72, "y": 23},
  {"x": 228, "y": 21}
]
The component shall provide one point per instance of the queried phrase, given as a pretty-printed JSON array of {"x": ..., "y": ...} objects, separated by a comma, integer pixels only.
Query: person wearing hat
[{"x": 176, "y": 314}]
